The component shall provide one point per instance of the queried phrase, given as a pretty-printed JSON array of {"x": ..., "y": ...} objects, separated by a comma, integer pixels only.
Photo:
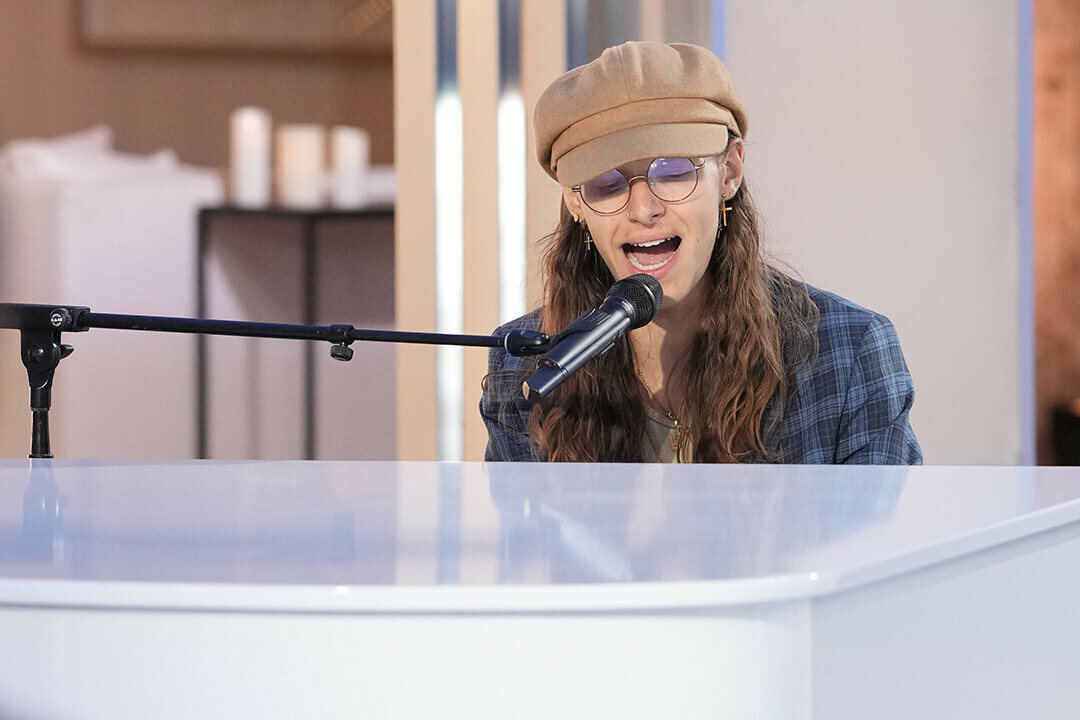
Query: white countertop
[{"x": 346, "y": 537}]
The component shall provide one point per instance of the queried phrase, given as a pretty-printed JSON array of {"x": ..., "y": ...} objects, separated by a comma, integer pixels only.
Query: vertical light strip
[
  {"x": 652, "y": 21},
  {"x": 510, "y": 158},
  {"x": 577, "y": 32},
  {"x": 449, "y": 236},
  {"x": 717, "y": 29},
  {"x": 1025, "y": 170}
]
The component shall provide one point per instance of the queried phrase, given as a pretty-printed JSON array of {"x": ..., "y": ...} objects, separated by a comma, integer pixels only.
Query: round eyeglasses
[{"x": 669, "y": 179}]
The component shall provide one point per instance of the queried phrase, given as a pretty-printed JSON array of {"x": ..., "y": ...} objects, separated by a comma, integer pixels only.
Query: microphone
[{"x": 630, "y": 303}]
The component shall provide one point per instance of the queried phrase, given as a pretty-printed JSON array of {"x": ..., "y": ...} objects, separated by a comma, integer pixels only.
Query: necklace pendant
[{"x": 675, "y": 438}]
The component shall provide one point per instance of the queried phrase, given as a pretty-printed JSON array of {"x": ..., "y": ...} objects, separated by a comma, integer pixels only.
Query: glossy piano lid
[{"x": 460, "y": 537}]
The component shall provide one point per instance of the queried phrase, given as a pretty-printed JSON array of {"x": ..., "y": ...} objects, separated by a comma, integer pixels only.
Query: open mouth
[{"x": 652, "y": 255}]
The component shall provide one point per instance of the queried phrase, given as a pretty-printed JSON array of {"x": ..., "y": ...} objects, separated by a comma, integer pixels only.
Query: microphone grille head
[{"x": 644, "y": 294}]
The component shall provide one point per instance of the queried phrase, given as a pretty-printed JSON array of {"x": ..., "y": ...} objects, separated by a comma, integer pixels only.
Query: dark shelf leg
[
  {"x": 309, "y": 349},
  {"x": 202, "y": 450}
]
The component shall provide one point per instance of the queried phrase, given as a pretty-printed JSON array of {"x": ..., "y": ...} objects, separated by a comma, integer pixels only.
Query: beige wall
[
  {"x": 883, "y": 149},
  {"x": 414, "y": 231},
  {"x": 50, "y": 84}
]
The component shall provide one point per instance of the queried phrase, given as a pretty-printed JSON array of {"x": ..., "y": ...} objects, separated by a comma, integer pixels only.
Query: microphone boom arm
[{"x": 41, "y": 349}]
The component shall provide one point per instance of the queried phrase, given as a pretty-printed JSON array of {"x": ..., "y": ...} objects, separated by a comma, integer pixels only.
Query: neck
[
  {"x": 663, "y": 341},
  {"x": 660, "y": 345}
]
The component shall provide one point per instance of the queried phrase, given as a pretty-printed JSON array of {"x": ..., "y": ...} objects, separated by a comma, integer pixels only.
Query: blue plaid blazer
[{"x": 851, "y": 404}]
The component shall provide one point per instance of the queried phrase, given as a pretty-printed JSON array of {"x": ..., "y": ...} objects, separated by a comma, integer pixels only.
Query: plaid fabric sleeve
[
  {"x": 503, "y": 407},
  {"x": 874, "y": 427}
]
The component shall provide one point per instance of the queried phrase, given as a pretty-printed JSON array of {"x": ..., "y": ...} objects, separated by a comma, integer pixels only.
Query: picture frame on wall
[{"x": 315, "y": 27}]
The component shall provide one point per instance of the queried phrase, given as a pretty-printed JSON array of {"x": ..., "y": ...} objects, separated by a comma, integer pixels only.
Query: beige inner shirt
[{"x": 658, "y": 431}]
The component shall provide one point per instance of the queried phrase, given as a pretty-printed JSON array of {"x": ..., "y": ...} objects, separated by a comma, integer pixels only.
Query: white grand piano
[{"x": 199, "y": 589}]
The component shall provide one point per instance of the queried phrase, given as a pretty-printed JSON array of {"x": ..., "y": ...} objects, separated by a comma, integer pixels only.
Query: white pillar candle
[
  {"x": 249, "y": 157},
  {"x": 301, "y": 166},
  {"x": 350, "y": 153}
]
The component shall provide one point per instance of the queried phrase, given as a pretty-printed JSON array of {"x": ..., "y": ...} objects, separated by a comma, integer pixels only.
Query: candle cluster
[{"x": 302, "y": 178}]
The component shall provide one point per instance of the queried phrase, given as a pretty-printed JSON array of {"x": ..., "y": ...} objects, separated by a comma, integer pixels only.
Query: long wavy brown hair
[{"x": 759, "y": 326}]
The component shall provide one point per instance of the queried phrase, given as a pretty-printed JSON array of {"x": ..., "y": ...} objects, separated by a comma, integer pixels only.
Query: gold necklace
[{"x": 675, "y": 439}]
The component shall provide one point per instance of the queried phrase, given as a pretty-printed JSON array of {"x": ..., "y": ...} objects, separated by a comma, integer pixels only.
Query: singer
[{"x": 741, "y": 363}]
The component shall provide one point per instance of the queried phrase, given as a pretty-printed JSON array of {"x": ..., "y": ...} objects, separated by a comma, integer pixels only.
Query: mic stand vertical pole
[{"x": 41, "y": 353}]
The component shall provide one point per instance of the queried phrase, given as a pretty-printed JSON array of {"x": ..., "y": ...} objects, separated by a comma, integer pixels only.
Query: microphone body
[{"x": 631, "y": 303}]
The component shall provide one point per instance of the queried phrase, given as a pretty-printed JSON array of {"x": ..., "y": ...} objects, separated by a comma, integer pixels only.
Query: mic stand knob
[{"x": 341, "y": 352}]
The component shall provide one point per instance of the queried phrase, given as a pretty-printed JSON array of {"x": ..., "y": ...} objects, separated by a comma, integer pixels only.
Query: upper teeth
[{"x": 650, "y": 244}]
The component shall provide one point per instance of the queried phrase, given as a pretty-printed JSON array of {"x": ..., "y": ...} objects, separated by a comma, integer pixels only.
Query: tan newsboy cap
[{"x": 637, "y": 100}]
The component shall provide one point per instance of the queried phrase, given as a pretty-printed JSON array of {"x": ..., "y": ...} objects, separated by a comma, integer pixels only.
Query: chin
[{"x": 676, "y": 293}]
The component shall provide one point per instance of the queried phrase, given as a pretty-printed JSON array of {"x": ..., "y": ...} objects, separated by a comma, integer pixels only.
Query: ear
[
  {"x": 572, "y": 201},
  {"x": 732, "y": 167}
]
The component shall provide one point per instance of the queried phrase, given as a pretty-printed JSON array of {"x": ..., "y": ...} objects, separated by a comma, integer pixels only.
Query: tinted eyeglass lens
[
  {"x": 607, "y": 193},
  {"x": 672, "y": 179}
]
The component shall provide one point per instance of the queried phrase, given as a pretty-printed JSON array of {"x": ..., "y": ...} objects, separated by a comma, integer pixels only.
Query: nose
[{"x": 643, "y": 207}]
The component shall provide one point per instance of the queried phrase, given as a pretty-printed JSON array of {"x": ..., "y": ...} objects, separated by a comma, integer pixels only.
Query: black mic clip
[
  {"x": 585, "y": 323},
  {"x": 524, "y": 343}
]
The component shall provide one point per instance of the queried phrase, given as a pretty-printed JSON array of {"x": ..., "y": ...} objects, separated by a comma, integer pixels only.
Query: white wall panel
[{"x": 882, "y": 149}]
